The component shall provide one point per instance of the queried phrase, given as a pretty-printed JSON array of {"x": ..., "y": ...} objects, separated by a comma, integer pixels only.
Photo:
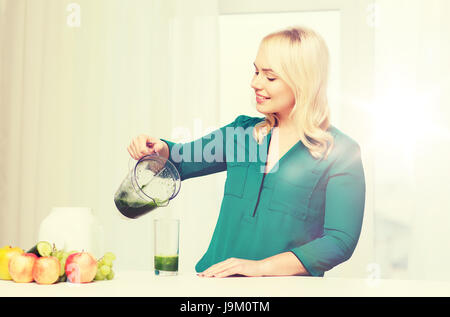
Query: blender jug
[{"x": 151, "y": 183}]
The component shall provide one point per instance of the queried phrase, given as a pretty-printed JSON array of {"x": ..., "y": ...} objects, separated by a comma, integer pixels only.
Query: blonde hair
[{"x": 300, "y": 58}]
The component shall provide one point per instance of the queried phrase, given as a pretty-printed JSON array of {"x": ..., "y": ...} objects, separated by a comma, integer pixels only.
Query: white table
[{"x": 146, "y": 284}]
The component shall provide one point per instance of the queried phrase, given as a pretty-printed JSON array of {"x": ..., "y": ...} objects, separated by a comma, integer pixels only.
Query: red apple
[
  {"x": 21, "y": 267},
  {"x": 46, "y": 270},
  {"x": 81, "y": 267}
]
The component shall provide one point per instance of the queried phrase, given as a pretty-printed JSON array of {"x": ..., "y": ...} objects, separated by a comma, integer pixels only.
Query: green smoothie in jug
[
  {"x": 132, "y": 206},
  {"x": 150, "y": 184},
  {"x": 132, "y": 209}
]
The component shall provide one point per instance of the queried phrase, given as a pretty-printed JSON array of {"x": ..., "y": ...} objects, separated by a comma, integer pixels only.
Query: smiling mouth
[{"x": 261, "y": 99}]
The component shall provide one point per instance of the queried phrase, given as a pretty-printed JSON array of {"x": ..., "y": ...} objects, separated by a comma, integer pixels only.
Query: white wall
[{"x": 411, "y": 119}]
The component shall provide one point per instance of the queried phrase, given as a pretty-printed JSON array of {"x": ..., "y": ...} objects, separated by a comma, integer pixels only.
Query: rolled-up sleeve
[{"x": 344, "y": 210}]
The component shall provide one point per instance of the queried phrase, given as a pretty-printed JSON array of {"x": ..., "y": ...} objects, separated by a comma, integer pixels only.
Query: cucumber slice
[{"x": 42, "y": 248}]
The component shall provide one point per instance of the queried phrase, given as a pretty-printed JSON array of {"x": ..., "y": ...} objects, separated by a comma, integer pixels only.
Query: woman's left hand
[{"x": 233, "y": 266}]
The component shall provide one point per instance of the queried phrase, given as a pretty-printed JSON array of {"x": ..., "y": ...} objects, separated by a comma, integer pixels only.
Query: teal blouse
[{"x": 311, "y": 207}]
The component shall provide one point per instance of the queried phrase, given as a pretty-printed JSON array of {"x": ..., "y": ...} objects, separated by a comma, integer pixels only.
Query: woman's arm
[
  {"x": 283, "y": 264},
  {"x": 344, "y": 211},
  {"x": 204, "y": 156}
]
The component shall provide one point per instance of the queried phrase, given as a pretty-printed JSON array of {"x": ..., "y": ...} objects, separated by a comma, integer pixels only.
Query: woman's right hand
[{"x": 145, "y": 145}]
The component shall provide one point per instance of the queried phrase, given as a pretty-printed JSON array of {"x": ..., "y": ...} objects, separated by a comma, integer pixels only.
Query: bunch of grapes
[{"x": 104, "y": 267}]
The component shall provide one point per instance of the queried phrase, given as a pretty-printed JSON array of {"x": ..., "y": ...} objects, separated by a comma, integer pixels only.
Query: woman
[{"x": 299, "y": 210}]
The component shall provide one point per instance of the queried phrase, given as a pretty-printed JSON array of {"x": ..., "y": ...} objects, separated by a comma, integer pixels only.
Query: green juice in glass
[{"x": 166, "y": 263}]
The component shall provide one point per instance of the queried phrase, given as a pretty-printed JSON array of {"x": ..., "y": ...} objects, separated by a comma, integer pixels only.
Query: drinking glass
[{"x": 167, "y": 232}]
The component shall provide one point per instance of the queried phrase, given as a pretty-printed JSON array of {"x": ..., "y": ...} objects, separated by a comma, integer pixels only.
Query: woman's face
[{"x": 273, "y": 95}]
